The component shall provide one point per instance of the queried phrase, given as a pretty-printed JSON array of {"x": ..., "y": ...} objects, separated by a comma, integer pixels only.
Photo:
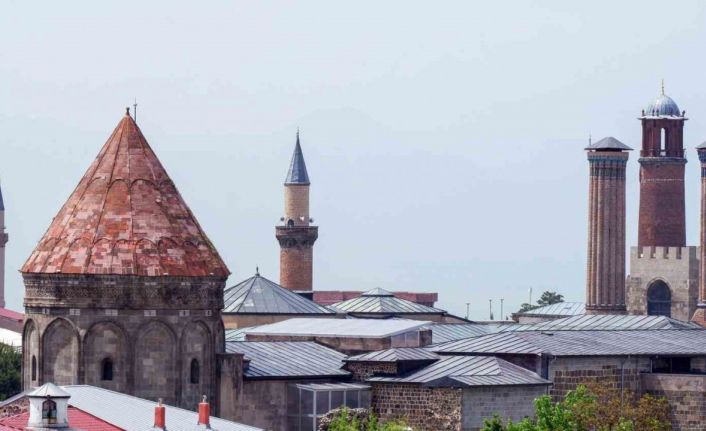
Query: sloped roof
[
  {"x": 398, "y": 354},
  {"x": 468, "y": 371},
  {"x": 442, "y": 332},
  {"x": 126, "y": 217},
  {"x": 262, "y": 296},
  {"x": 78, "y": 420},
  {"x": 288, "y": 359},
  {"x": 609, "y": 143},
  {"x": 297, "y": 173},
  {"x": 2, "y": 204},
  {"x": 604, "y": 322},
  {"x": 357, "y": 328},
  {"x": 583, "y": 343},
  {"x": 48, "y": 390},
  {"x": 558, "y": 309},
  {"x": 381, "y": 301}
]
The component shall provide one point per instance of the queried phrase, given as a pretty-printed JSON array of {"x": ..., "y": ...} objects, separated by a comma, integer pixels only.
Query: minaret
[
  {"x": 3, "y": 240},
  {"x": 296, "y": 237},
  {"x": 662, "y": 222},
  {"x": 605, "y": 278},
  {"x": 700, "y": 313}
]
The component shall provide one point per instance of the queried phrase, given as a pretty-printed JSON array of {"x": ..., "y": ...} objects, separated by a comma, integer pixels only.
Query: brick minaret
[
  {"x": 700, "y": 313},
  {"x": 3, "y": 240},
  {"x": 296, "y": 237},
  {"x": 661, "y": 219},
  {"x": 605, "y": 281}
]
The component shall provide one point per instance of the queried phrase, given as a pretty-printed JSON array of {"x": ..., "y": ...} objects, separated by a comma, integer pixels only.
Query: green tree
[
  {"x": 345, "y": 419},
  {"x": 547, "y": 298},
  {"x": 10, "y": 367}
]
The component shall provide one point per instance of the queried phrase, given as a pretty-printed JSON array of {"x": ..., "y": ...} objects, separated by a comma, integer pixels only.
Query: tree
[
  {"x": 10, "y": 367},
  {"x": 345, "y": 419},
  {"x": 547, "y": 298},
  {"x": 593, "y": 407}
]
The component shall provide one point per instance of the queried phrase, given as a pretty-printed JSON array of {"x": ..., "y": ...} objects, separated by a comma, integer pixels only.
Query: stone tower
[
  {"x": 700, "y": 313},
  {"x": 605, "y": 281},
  {"x": 663, "y": 270},
  {"x": 124, "y": 290},
  {"x": 296, "y": 236},
  {"x": 3, "y": 240}
]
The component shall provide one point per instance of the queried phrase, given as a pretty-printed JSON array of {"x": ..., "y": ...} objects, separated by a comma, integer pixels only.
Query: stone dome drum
[{"x": 663, "y": 106}]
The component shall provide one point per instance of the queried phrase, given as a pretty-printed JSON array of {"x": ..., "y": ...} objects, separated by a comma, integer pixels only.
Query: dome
[{"x": 663, "y": 106}]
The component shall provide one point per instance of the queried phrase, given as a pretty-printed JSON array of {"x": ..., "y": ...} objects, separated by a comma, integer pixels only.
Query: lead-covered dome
[{"x": 663, "y": 106}]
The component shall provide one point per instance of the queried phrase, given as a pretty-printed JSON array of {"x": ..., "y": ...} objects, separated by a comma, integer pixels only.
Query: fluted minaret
[
  {"x": 605, "y": 280},
  {"x": 3, "y": 240},
  {"x": 700, "y": 313},
  {"x": 296, "y": 237}
]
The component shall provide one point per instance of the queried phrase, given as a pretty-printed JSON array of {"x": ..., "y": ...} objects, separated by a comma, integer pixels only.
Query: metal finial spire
[
  {"x": 589, "y": 139},
  {"x": 257, "y": 270},
  {"x": 127, "y": 110},
  {"x": 134, "y": 110},
  {"x": 662, "y": 86}
]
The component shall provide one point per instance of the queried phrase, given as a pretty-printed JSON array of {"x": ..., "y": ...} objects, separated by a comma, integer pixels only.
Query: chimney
[
  {"x": 204, "y": 415},
  {"x": 160, "y": 423}
]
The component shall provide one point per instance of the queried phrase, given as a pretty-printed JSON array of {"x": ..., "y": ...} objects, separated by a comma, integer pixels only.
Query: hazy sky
[{"x": 443, "y": 140}]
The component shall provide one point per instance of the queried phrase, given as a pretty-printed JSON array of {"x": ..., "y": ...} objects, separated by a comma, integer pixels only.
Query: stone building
[
  {"x": 124, "y": 291},
  {"x": 664, "y": 271}
]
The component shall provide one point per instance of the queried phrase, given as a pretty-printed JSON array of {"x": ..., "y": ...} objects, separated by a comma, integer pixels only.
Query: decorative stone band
[
  {"x": 607, "y": 165},
  {"x": 296, "y": 236},
  {"x": 662, "y": 160},
  {"x": 120, "y": 292}
]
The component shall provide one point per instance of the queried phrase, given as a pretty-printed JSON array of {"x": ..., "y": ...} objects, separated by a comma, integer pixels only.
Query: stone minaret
[
  {"x": 296, "y": 237},
  {"x": 700, "y": 313},
  {"x": 3, "y": 240},
  {"x": 605, "y": 281}
]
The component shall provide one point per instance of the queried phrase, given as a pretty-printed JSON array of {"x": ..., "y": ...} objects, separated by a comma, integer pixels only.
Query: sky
[{"x": 444, "y": 140}]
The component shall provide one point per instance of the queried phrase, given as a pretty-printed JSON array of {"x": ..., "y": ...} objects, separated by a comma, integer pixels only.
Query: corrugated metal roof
[
  {"x": 237, "y": 334},
  {"x": 468, "y": 371},
  {"x": 261, "y": 296},
  {"x": 137, "y": 414},
  {"x": 665, "y": 342},
  {"x": 381, "y": 301},
  {"x": 442, "y": 332},
  {"x": 395, "y": 355},
  {"x": 332, "y": 386},
  {"x": 605, "y": 322},
  {"x": 363, "y": 328},
  {"x": 287, "y": 359},
  {"x": 558, "y": 309}
]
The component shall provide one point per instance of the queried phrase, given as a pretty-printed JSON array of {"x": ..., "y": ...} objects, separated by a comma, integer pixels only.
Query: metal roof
[
  {"x": 663, "y": 107},
  {"x": 468, "y": 371},
  {"x": 49, "y": 390},
  {"x": 332, "y": 386},
  {"x": 258, "y": 295},
  {"x": 297, "y": 173},
  {"x": 442, "y": 332},
  {"x": 288, "y": 359},
  {"x": 666, "y": 342},
  {"x": 604, "y": 322},
  {"x": 237, "y": 334},
  {"x": 609, "y": 143},
  {"x": 558, "y": 309},
  {"x": 340, "y": 328},
  {"x": 381, "y": 301},
  {"x": 2, "y": 204},
  {"x": 137, "y": 414},
  {"x": 395, "y": 355}
]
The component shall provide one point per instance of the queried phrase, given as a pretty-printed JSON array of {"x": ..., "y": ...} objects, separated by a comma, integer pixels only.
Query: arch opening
[
  {"x": 34, "y": 368},
  {"x": 195, "y": 374},
  {"x": 659, "y": 299},
  {"x": 49, "y": 412},
  {"x": 107, "y": 369}
]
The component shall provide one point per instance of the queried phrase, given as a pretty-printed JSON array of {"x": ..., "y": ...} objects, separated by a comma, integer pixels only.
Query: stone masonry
[
  {"x": 363, "y": 370},
  {"x": 699, "y": 315},
  {"x": 422, "y": 408},
  {"x": 566, "y": 373},
  {"x": 514, "y": 403},
  {"x": 686, "y": 395}
]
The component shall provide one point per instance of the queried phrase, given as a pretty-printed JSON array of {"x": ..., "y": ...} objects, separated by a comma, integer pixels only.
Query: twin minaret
[{"x": 296, "y": 236}]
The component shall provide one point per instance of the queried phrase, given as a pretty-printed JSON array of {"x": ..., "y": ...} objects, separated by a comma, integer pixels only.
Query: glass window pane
[
  {"x": 336, "y": 399},
  {"x": 293, "y": 423},
  {"x": 307, "y": 402},
  {"x": 365, "y": 399},
  {"x": 307, "y": 423},
  {"x": 322, "y": 402},
  {"x": 352, "y": 399}
]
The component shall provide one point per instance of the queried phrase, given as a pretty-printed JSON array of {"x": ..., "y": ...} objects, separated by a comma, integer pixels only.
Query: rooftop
[
  {"x": 78, "y": 420},
  {"x": 126, "y": 217},
  {"x": 604, "y": 322},
  {"x": 468, "y": 371},
  {"x": 339, "y": 328},
  {"x": 288, "y": 359},
  {"x": 609, "y": 143},
  {"x": 398, "y": 354},
  {"x": 258, "y": 295},
  {"x": 558, "y": 309},
  {"x": 442, "y": 332},
  {"x": 297, "y": 173},
  {"x": 381, "y": 301},
  {"x": 663, "y": 107}
]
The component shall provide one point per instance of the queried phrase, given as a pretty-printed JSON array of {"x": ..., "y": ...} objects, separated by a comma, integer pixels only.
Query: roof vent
[
  {"x": 159, "y": 417},
  {"x": 48, "y": 408},
  {"x": 204, "y": 415}
]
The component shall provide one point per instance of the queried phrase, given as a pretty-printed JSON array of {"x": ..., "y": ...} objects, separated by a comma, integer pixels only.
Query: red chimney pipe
[
  {"x": 159, "y": 417},
  {"x": 204, "y": 413}
]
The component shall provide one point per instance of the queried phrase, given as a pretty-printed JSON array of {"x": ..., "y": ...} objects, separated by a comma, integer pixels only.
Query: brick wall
[
  {"x": 513, "y": 402},
  {"x": 567, "y": 373},
  {"x": 686, "y": 394},
  {"x": 425, "y": 409},
  {"x": 363, "y": 370}
]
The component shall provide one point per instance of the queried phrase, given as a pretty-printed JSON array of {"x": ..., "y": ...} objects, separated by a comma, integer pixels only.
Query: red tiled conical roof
[{"x": 126, "y": 217}]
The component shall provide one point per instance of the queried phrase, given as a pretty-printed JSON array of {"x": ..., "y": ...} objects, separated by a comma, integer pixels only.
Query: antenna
[
  {"x": 468, "y": 305},
  {"x": 501, "y": 309},
  {"x": 134, "y": 109},
  {"x": 490, "y": 302}
]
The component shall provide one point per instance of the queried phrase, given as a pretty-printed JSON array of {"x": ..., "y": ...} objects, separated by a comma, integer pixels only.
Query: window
[
  {"x": 195, "y": 371},
  {"x": 49, "y": 412},
  {"x": 676, "y": 365},
  {"x": 34, "y": 368},
  {"x": 107, "y": 369},
  {"x": 659, "y": 299},
  {"x": 663, "y": 142},
  {"x": 290, "y": 223}
]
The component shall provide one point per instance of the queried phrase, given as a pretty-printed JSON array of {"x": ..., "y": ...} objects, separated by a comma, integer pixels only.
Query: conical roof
[
  {"x": 2, "y": 204},
  {"x": 48, "y": 390},
  {"x": 126, "y": 217},
  {"x": 297, "y": 168},
  {"x": 260, "y": 295}
]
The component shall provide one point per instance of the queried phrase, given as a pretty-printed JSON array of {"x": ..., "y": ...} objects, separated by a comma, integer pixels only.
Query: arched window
[
  {"x": 194, "y": 376},
  {"x": 659, "y": 299},
  {"x": 107, "y": 369},
  {"x": 49, "y": 412},
  {"x": 663, "y": 141},
  {"x": 290, "y": 223},
  {"x": 34, "y": 368}
]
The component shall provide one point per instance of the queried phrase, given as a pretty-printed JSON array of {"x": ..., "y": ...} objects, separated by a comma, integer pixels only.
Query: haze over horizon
[{"x": 444, "y": 144}]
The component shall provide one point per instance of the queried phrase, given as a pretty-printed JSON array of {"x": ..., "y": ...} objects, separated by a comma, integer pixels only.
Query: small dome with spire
[{"x": 663, "y": 106}]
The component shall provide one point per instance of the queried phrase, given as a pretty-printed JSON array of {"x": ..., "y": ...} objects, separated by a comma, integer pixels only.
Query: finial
[
  {"x": 297, "y": 135},
  {"x": 662, "y": 86},
  {"x": 257, "y": 271},
  {"x": 203, "y": 399},
  {"x": 134, "y": 111},
  {"x": 589, "y": 139},
  {"x": 127, "y": 110}
]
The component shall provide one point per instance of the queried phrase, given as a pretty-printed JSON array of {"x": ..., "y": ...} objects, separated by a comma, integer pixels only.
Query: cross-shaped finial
[{"x": 662, "y": 86}]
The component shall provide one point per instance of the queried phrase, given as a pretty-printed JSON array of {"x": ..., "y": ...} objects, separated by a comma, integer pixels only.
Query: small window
[
  {"x": 290, "y": 223},
  {"x": 49, "y": 412},
  {"x": 195, "y": 371},
  {"x": 34, "y": 368},
  {"x": 107, "y": 369}
]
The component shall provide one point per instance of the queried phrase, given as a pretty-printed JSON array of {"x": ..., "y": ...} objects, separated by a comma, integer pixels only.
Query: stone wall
[
  {"x": 263, "y": 404},
  {"x": 424, "y": 409},
  {"x": 363, "y": 370},
  {"x": 686, "y": 394},
  {"x": 566, "y": 373},
  {"x": 513, "y": 402}
]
